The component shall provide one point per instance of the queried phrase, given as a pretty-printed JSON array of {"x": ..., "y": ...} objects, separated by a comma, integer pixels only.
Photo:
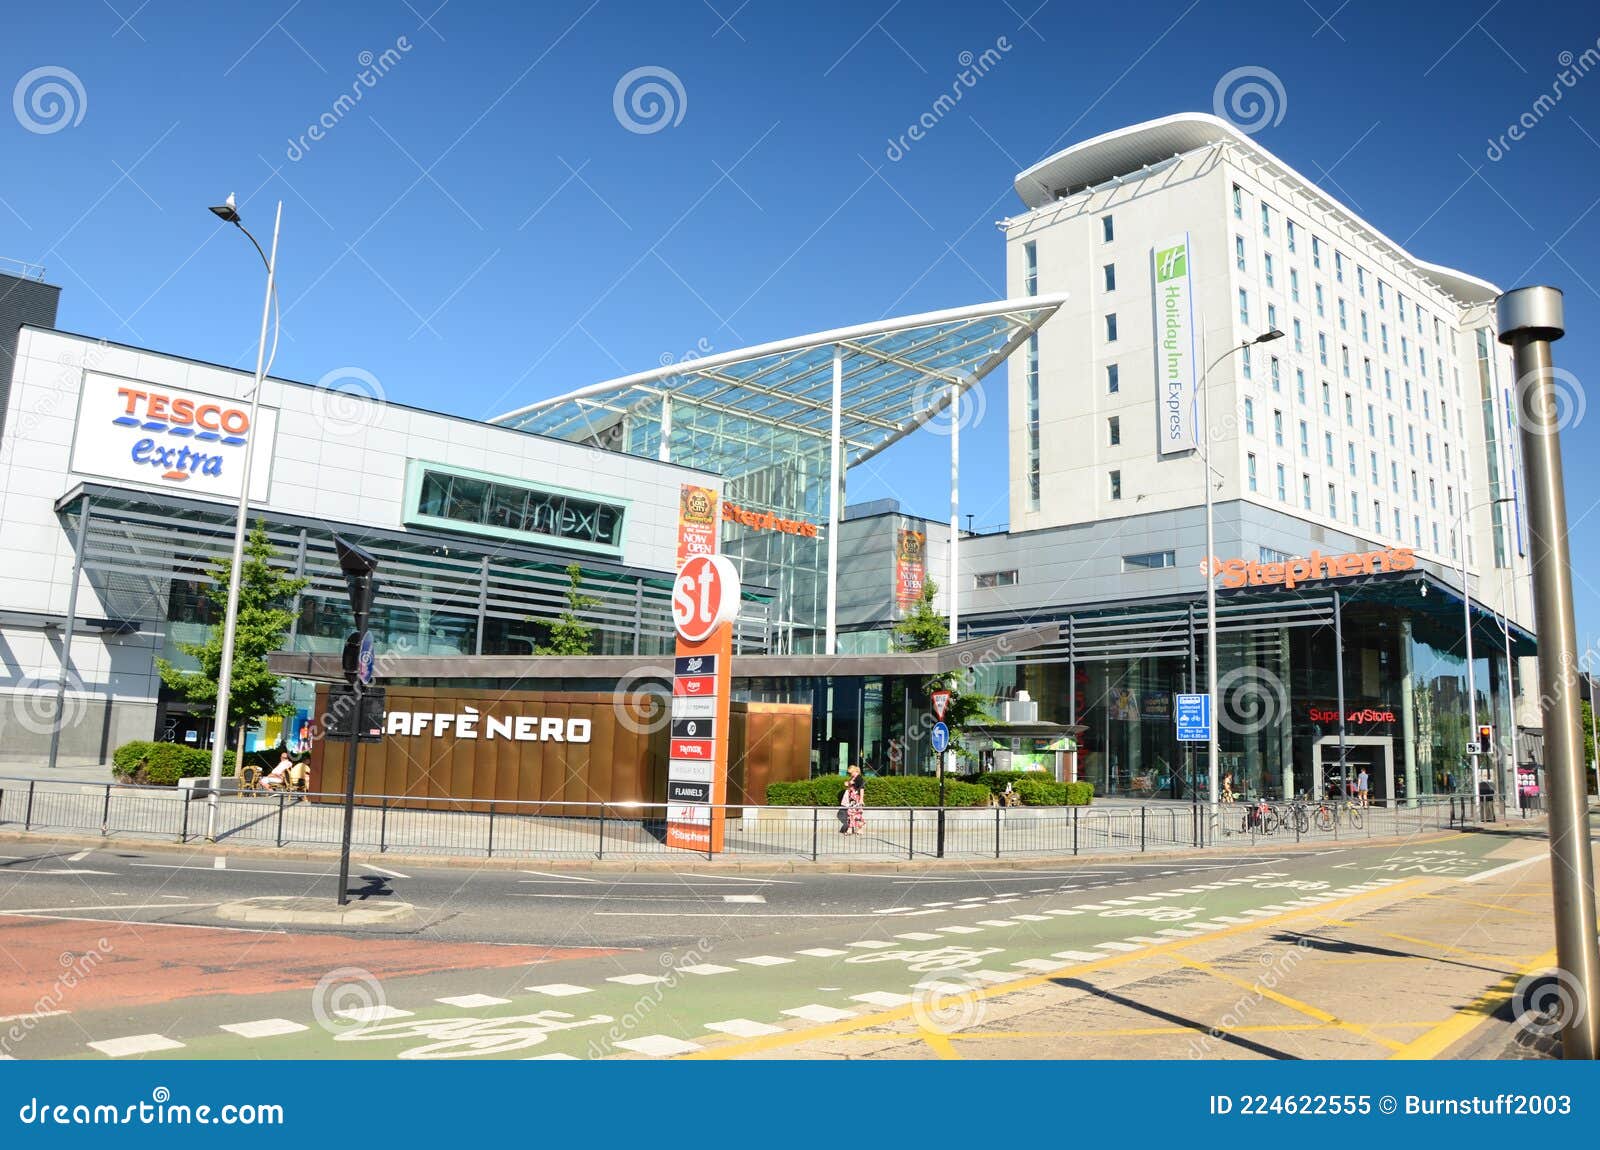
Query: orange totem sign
[{"x": 705, "y": 602}]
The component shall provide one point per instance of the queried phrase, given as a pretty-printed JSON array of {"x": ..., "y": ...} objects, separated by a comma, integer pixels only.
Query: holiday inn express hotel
[{"x": 1361, "y": 466}]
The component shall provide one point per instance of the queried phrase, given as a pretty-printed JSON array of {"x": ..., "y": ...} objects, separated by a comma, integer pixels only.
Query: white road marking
[
  {"x": 559, "y": 989},
  {"x": 872, "y": 944},
  {"x": 960, "y": 930},
  {"x": 1077, "y": 956},
  {"x": 106, "y": 906},
  {"x": 1032, "y": 918},
  {"x": 81, "y": 855},
  {"x": 1038, "y": 964},
  {"x": 373, "y": 1013},
  {"x": 1063, "y": 912},
  {"x": 219, "y": 863},
  {"x": 765, "y": 960},
  {"x": 744, "y": 1028},
  {"x": 658, "y": 1045},
  {"x": 1481, "y": 875},
  {"x": 30, "y": 1014},
  {"x": 821, "y": 952},
  {"x": 39, "y": 870},
  {"x": 236, "y": 870},
  {"x": 636, "y": 979},
  {"x": 135, "y": 1044},
  {"x": 551, "y": 1058},
  {"x": 919, "y": 936},
  {"x": 1118, "y": 946},
  {"x": 563, "y": 877},
  {"x": 996, "y": 922},
  {"x": 735, "y": 878},
  {"x": 706, "y": 968},
  {"x": 382, "y": 870},
  {"x": 815, "y": 1012},
  {"x": 472, "y": 1001},
  {"x": 263, "y": 1028},
  {"x": 881, "y": 998},
  {"x": 744, "y": 898}
]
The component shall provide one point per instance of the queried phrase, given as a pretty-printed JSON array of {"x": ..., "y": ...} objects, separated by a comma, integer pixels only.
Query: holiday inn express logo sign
[{"x": 1174, "y": 345}]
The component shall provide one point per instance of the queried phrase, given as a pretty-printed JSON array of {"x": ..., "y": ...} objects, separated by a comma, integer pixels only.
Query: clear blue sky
[{"x": 481, "y": 230}]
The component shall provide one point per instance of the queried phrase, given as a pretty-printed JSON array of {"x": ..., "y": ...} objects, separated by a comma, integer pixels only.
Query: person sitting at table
[{"x": 279, "y": 775}]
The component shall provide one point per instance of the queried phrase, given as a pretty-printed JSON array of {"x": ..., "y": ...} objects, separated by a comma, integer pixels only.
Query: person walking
[
  {"x": 854, "y": 801},
  {"x": 1363, "y": 787}
]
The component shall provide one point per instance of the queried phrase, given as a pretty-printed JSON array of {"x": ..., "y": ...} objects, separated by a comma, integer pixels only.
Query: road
[{"x": 127, "y": 952}]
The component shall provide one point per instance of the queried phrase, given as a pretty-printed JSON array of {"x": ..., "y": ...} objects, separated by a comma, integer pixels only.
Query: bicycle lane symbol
[
  {"x": 930, "y": 960},
  {"x": 1155, "y": 913}
]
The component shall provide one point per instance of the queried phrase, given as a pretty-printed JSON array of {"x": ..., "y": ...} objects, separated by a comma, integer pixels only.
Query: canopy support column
[
  {"x": 955, "y": 510},
  {"x": 834, "y": 482}
]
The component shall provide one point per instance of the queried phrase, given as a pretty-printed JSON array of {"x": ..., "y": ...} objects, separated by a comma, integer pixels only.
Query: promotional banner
[
  {"x": 182, "y": 441},
  {"x": 1175, "y": 354},
  {"x": 705, "y": 603},
  {"x": 910, "y": 566},
  {"x": 697, "y": 521}
]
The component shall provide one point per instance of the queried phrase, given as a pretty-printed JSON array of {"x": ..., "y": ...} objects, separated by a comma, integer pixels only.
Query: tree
[
  {"x": 923, "y": 629},
  {"x": 266, "y": 598},
  {"x": 569, "y": 634}
]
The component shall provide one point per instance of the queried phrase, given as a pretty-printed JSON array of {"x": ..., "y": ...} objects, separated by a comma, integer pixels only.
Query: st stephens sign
[{"x": 1289, "y": 573}]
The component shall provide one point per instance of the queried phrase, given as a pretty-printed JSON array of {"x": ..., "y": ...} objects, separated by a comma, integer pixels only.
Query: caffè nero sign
[{"x": 468, "y": 723}]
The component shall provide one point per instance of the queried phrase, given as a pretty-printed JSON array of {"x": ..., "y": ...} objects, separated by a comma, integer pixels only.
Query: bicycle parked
[
  {"x": 1330, "y": 814},
  {"x": 1294, "y": 815}
]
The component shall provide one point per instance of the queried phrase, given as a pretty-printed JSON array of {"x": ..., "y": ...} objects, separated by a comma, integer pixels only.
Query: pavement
[{"x": 1400, "y": 949}]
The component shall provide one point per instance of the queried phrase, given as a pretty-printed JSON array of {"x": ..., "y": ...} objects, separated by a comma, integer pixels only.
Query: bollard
[
  {"x": 997, "y": 832},
  {"x": 1141, "y": 828},
  {"x": 281, "y": 797},
  {"x": 911, "y": 832},
  {"x": 816, "y": 820},
  {"x": 600, "y": 853},
  {"x": 489, "y": 852},
  {"x": 27, "y": 815},
  {"x": 183, "y": 832},
  {"x": 1074, "y": 830},
  {"x": 105, "y": 813}
]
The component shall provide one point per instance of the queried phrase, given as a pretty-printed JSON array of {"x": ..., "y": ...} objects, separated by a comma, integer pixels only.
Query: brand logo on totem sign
[
  {"x": 1310, "y": 568},
  {"x": 469, "y": 724}
]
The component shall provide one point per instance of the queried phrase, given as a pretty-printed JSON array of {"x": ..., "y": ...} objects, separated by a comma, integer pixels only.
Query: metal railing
[{"x": 578, "y": 830}]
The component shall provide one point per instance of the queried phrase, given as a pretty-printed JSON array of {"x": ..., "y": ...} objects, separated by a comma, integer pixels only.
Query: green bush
[
  {"x": 889, "y": 791},
  {"x": 1037, "y": 788},
  {"x": 163, "y": 764},
  {"x": 1079, "y": 794}
]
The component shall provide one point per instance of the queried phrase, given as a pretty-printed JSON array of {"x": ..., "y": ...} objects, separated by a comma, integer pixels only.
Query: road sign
[
  {"x": 704, "y": 596},
  {"x": 365, "y": 662},
  {"x": 941, "y": 704},
  {"x": 940, "y": 737},
  {"x": 1193, "y": 713},
  {"x": 342, "y": 716}
]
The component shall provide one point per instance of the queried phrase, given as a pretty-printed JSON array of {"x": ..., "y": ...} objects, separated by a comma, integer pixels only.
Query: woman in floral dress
[{"x": 854, "y": 801}]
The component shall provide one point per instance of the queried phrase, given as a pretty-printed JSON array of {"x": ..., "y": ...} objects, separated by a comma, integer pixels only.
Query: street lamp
[
  {"x": 228, "y": 212},
  {"x": 1472, "y": 686},
  {"x": 1211, "y": 578}
]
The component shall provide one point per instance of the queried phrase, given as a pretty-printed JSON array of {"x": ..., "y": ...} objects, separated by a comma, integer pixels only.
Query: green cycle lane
[{"x": 927, "y": 960}]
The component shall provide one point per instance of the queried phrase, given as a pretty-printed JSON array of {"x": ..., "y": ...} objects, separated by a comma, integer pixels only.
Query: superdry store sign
[{"x": 183, "y": 441}]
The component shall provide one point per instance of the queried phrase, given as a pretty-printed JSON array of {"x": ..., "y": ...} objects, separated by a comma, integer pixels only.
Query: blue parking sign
[{"x": 1193, "y": 714}]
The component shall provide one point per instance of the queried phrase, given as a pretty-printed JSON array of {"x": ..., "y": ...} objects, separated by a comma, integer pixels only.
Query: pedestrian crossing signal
[{"x": 1485, "y": 739}]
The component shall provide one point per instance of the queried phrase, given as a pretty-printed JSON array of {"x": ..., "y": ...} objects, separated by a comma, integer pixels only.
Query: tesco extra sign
[
  {"x": 705, "y": 596},
  {"x": 168, "y": 437}
]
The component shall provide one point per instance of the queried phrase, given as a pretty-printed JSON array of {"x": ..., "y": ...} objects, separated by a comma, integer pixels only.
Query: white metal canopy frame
[{"x": 857, "y": 390}]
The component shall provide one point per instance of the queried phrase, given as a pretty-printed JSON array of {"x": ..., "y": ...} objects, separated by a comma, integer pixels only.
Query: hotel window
[
  {"x": 1299, "y": 336},
  {"x": 1400, "y": 305},
  {"x": 1316, "y": 291},
  {"x": 1283, "y": 488},
  {"x": 1322, "y": 348},
  {"x": 1399, "y": 531},
  {"x": 1361, "y": 281},
  {"x": 1366, "y": 332},
  {"x": 1436, "y": 330},
  {"x": 1244, "y": 307},
  {"x": 1377, "y": 515},
  {"x": 1373, "y": 459},
  {"x": 1355, "y": 509},
  {"x": 996, "y": 579},
  {"x": 1416, "y": 493},
  {"x": 1382, "y": 288},
  {"x": 1111, "y": 379},
  {"x": 1405, "y": 352},
  {"x": 1150, "y": 561},
  {"x": 1238, "y": 252},
  {"x": 1383, "y": 338},
  {"x": 1113, "y": 431},
  {"x": 1390, "y": 418},
  {"x": 1327, "y": 448},
  {"x": 1111, "y": 277},
  {"x": 1450, "y": 499},
  {"x": 1452, "y": 543},
  {"x": 1408, "y": 394},
  {"x": 1244, "y": 360},
  {"x": 1277, "y": 428},
  {"x": 1294, "y": 285},
  {"x": 1338, "y": 266},
  {"x": 1388, "y": 384},
  {"x": 1305, "y": 440},
  {"x": 1305, "y": 490},
  {"x": 1349, "y": 410},
  {"x": 1316, "y": 252},
  {"x": 1266, "y": 220},
  {"x": 1327, "y": 399},
  {"x": 1344, "y": 360},
  {"x": 1427, "y": 405},
  {"x": 1030, "y": 268},
  {"x": 1427, "y": 446},
  {"x": 1249, "y": 415},
  {"x": 1366, "y": 371},
  {"x": 1394, "y": 477},
  {"x": 1288, "y": 230},
  {"x": 1418, "y": 311},
  {"x": 1333, "y": 502},
  {"x": 1416, "y": 527},
  {"x": 1116, "y": 485},
  {"x": 1266, "y": 263},
  {"x": 1436, "y": 536},
  {"x": 1433, "y": 494},
  {"x": 1447, "y": 455},
  {"x": 1111, "y": 328},
  {"x": 1344, "y": 319},
  {"x": 1250, "y": 469},
  {"x": 1300, "y": 384},
  {"x": 1107, "y": 231},
  {"x": 1238, "y": 202},
  {"x": 1372, "y": 420},
  {"x": 1277, "y": 381},
  {"x": 1411, "y": 438},
  {"x": 1422, "y": 360}
]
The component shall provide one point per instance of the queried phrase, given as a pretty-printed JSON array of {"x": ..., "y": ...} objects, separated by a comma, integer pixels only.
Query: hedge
[
  {"x": 165, "y": 763},
  {"x": 889, "y": 791},
  {"x": 1038, "y": 789}
]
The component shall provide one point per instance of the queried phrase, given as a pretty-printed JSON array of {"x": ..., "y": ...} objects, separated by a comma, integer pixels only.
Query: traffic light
[{"x": 1485, "y": 739}]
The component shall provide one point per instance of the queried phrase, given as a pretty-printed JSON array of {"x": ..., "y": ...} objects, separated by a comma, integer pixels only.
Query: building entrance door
[{"x": 1333, "y": 781}]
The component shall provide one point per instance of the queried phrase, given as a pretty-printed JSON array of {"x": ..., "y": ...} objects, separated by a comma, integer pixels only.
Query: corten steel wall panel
[
  {"x": 448, "y": 772},
  {"x": 770, "y": 742}
]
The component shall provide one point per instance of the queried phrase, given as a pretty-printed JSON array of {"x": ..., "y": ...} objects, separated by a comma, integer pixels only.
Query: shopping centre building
[{"x": 1358, "y": 465}]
